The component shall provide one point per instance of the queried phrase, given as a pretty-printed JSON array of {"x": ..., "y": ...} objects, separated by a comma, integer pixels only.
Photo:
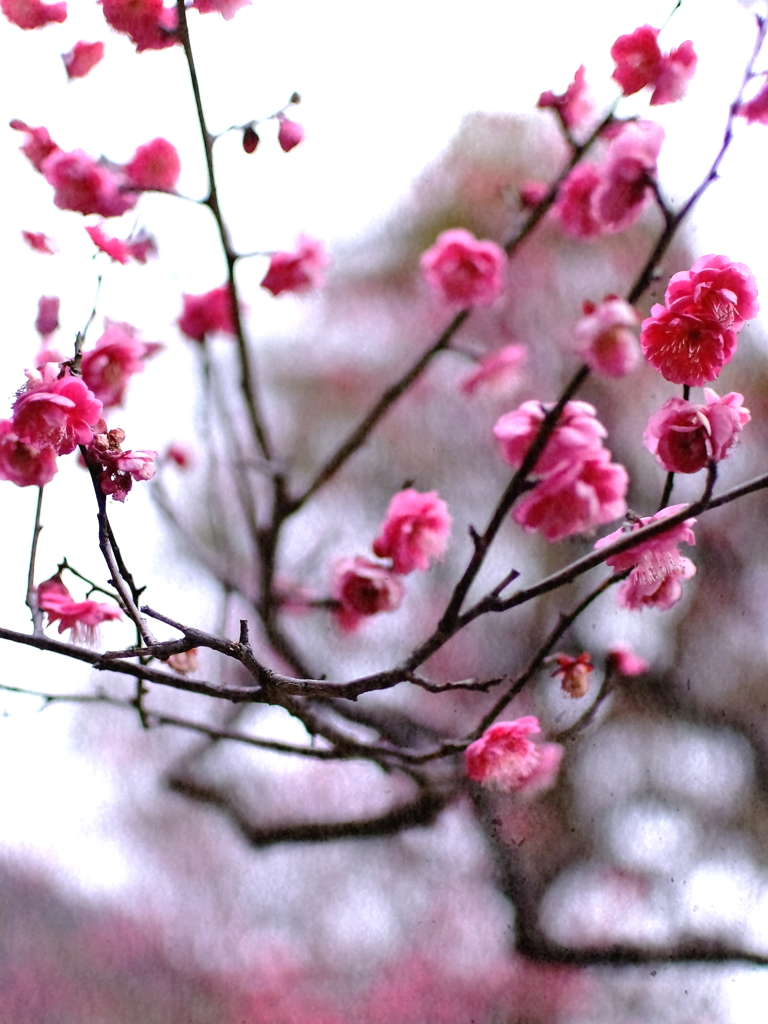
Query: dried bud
[
  {"x": 295, "y": 98},
  {"x": 250, "y": 140}
]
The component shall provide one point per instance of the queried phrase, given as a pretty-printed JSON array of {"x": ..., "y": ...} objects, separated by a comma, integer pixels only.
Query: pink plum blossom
[
  {"x": 207, "y": 314},
  {"x": 82, "y": 58},
  {"x": 630, "y": 163},
  {"x": 574, "y": 107},
  {"x": 363, "y": 588},
  {"x": 181, "y": 455},
  {"x": 155, "y": 165},
  {"x": 120, "y": 468},
  {"x": 122, "y": 251},
  {"x": 81, "y": 617},
  {"x": 39, "y": 242},
  {"x": 715, "y": 288},
  {"x": 296, "y": 271},
  {"x": 504, "y": 758},
  {"x": 39, "y": 144},
  {"x": 575, "y": 498},
  {"x": 755, "y": 110},
  {"x": 462, "y": 271},
  {"x": 578, "y": 434},
  {"x": 685, "y": 437},
  {"x": 290, "y": 133},
  {"x": 58, "y": 414},
  {"x": 573, "y": 206},
  {"x": 675, "y": 72},
  {"x": 496, "y": 371},
  {"x": 116, "y": 357},
  {"x": 574, "y": 673},
  {"x": 656, "y": 565},
  {"x": 605, "y": 339},
  {"x": 532, "y": 192},
  {"x": 24, "y": 464},
  {"x": 227, "y": 8},
  {"x": 86, "y": 186},
  {"x": 148, "y": 23},
  {"x": 415, "y": 529},
  {"x": 622, "y": 659},
  {"x": 640, "y": 64},
  {"x": 30, "y": 14},
  {"x": 47, "y": 315}
]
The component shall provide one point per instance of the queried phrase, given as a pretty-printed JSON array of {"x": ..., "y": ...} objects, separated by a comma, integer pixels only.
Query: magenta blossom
[
  {"x": 24, "y": 464},
  {"x": 622, "y": 659},
  {"x": 39, "y": 144},
  {"x": 120, "y": 468},
  {"x": 685, "y": 437},
  {"x": 226, "y": 8},
  {"x": 47, "y": 315},
  {"x": 496, "y": 371},
  {"x": 39, "y": 242},
  {"x": 82, "y": 58},
  {"x": 296, "y": 271},
  {"x": 30, "y": 14},
  {"x": 575, "y": 106},
  {"x": 207, "y": 314},
  {"x": 577, "y": 435},
  {"x": 656, "y": 564},
  {"x": 85, "y": 186},
  {"x": 715, "y": 288},
  {"x": 147, "y": 23},
  {"x": 290, "y": 133},
  {"x": 81, "y": 617},
  {"x": 755, "y": 110},
  {"x": 462, "y": 271},
  {"x": 504, "y": 758},
  {"x": 605, "y": 339},
  {"x": 116, "y": 357},
  {"x": 58, "y": 414},
  {"x": 641, "y": 64},
  {"x": 363, "y": 588},
  {"x": 415, "y": 529},
  {"x": 155, "y": 166},
  {"x": 121, "y": 251}
]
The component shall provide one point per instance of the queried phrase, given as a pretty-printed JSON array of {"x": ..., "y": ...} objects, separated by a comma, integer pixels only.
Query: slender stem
[{"x": 31, "y": 602}]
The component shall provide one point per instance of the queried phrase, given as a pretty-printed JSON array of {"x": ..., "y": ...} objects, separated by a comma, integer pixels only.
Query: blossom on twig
[
  {"x": 82, "y": 618},
  {"x": 504, "y": 758},
  {"x": 415, "y": 530}
]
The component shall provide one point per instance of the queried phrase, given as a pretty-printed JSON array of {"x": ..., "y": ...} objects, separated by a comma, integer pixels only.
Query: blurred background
[{"x": 121, "y": 901}]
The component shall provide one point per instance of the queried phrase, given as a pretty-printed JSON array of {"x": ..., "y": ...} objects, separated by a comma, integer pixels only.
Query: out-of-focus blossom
[
  {"x": 296, "y": 271},
  {"x": 39, "y": 144},
  {"x": 184, "y": 662},
  {"x": 116, "y": 357},
  {"x": 24, "y": 464},
  {"x": 39, "y": 242},
  {"x": 227, "y": 8},
  {"x": 82, "y": 58},
  {"x": 81, "y": 617},
  {"x": 147, "y": 23},
  {"x": 180, "y": 454},
  {"x": 462, "y": 271},
  {"x": 496, "y": 371},
  {"x": 685, "y": 437},
  {"x": 574, "y": 106},
  {"x": 574, "y": 673},
  {"x": 30, "y": 14},
  {"x": 121, "y": 251},
  {"x": 755, "y": 110},
  {"x": 47, "y": 315},
  {"x": 605, "y": 339},
  {"x": 206, "y": 314},
  {"x": 155, "y": 165},
  {"x": 85, "y": 186},
  {"x": 289, "y": 134},
  {"x": 120, "y": 468},
  {"x": 58, "y": 414},
  {"x": 622, "y": 659},
  {"x": 364, "y": 588},
  {"x": 415, "y": 530},
  {"x": 691, "y": 338},
  {"x": 675, "y": 72},
  {"x": 504, "y": 757},
  {"x": 640, "y": 64},
  {"x": 532, "y": 192},
  {"x": 656, "y": 564},
  {"x": 578, "y": 434}
]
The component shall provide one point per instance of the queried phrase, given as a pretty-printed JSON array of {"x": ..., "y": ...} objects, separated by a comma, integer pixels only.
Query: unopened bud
[{"x": 250, "y": 140}]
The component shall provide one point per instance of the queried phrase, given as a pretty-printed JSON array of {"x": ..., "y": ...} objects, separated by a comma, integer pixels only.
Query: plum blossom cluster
[
  {"x": 694, "y": 335},
  {"x": 506, "y": 759},
  {"x": 640, "y": 64},
  {"x": 576, "y": 487},
  {"x": 82, "y": 618},
  {"x": 685, "y": 437},
  {"x": 415, "y": 530},
  {"x": 463, "y": 272},
  {"x": 656, "y": 565},
  {"x": 118, "y": 469}
]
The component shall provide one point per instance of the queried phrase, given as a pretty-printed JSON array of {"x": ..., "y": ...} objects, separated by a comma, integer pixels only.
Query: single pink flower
[
  {"x": 58, "y": 414},
  {"x": 675, "y": 71},
  {"x": 575, "y": 498},
  {"x": 85, "y": 186},
  {"x": 637, "y": 57},
  {"x": 574, "y": 673},
  {"x": 122, "y": 251},
  {"x": 685, "y": 437},
  {"x": 504, "y": 758},
  {"x": 605, "y": 339},
  {"x": 296, "y": 271},
  {"x": 82, "y": 58},
  {"x": 47, "y": 315},
  {"x": 227, "y": 8},
  {"x": 575, "y": 106},
  {"x": 573, "y": 207},
  {"x": 24, "y": 464},
  {"x": 630, "y": 163},
  {"x": 656, "y": 564},
  {"x": 685, "y": 348},
  {"x": 715, "y": 288},
  {"x": 116, "y": 357},
  {"x": 30, "y": 14},
  {"x": 578, "y": 435},
  {"x": 462, "y": 271},
  {"x": 120, "y": 468},
  {"x": 81, "y": 617},
  {"x": 755, "y": 110},
  {"x": 290, "y": 133},
  {"x": 415, "y": 529},
  {"x": 148, "y": 23},
  {"x": 39, "y": 144},
  {"x": 497, "y": 370},
  {"x": 207, "y": 314},
  {"x": 364, "y": 588},
  {"x": 622, "y": 659},
  {"x": 39, "y": 242},
  {"x": 155, "y": 165}
]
